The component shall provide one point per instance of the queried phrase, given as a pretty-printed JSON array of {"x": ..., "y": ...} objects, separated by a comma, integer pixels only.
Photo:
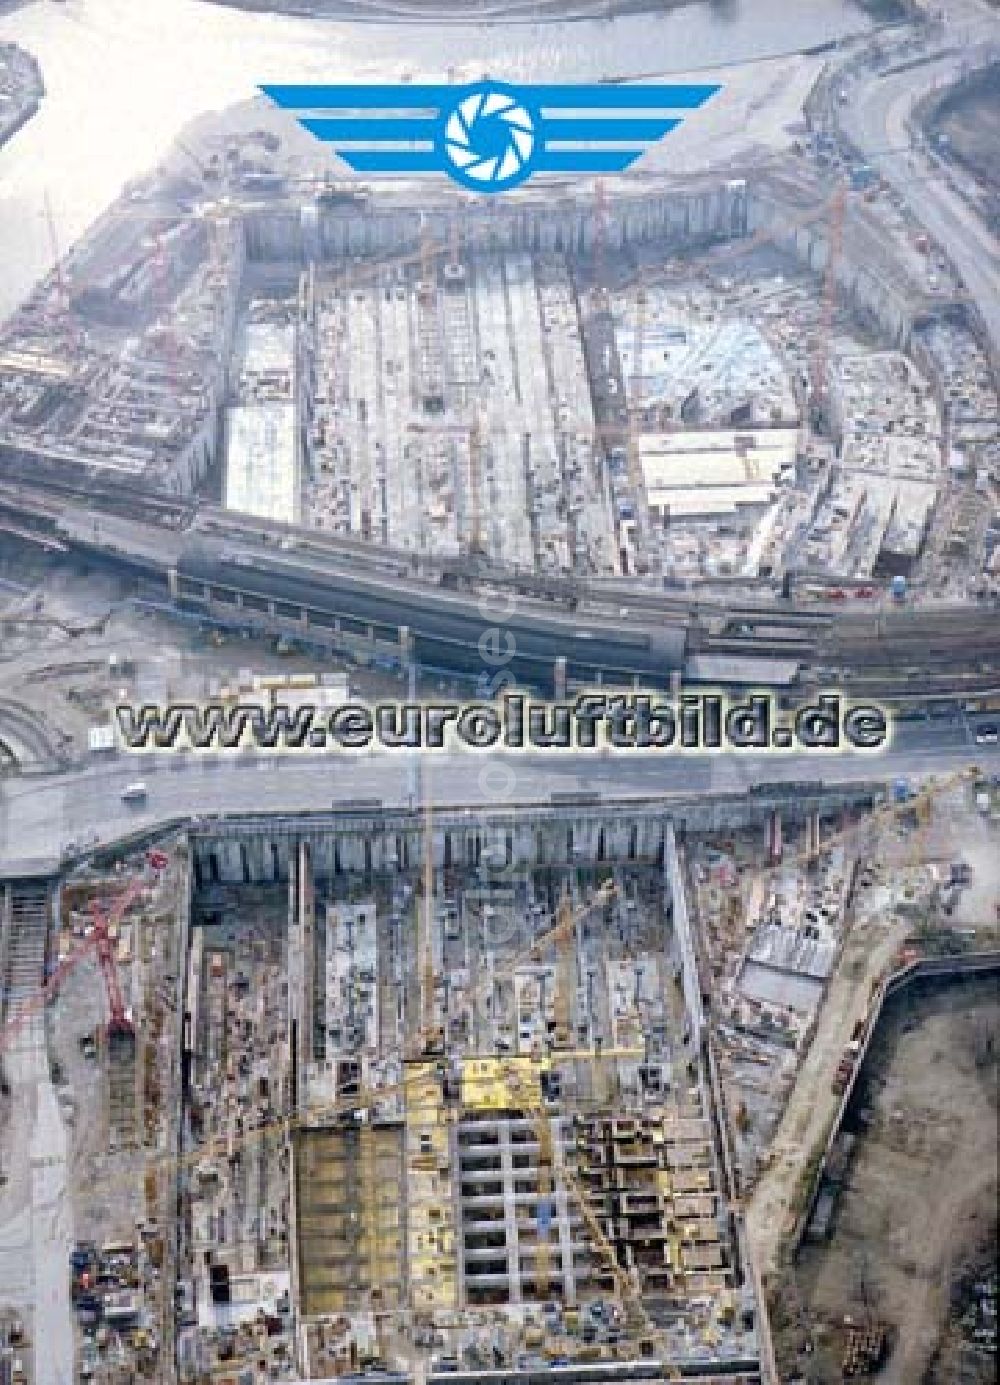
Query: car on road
[{"x": 988, "y": 733}]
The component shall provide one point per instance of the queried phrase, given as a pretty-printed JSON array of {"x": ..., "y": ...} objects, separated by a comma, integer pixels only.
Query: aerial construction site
[
  {"x": 399, "y": 1062},
  {"x": 418, "y": 1096},
  {"x": 772, "y": 378}
]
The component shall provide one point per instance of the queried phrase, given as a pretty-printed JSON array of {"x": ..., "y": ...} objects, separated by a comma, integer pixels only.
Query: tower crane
[
  {"x": 560, "y": 932},
  {"x": 100, "y": 936},
  {"x": 562, "y": 997},
  {"x": 430, "y": 1034},
  {"x": 627, "y": 1284},
  {"x": 57, "y": 266},
  {"x": 118, "y": 1023},
  {"x": 99, "y": 939}
]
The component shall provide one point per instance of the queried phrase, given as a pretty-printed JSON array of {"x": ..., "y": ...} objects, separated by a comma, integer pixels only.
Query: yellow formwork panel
[
  {"x": 700, "y": 1229},
  {"x": 430, "y": 1232},
  {"x": 705, "y": 1282},
  {"x": 432, "y": 1270},
  {"x": 435, "y": 1294},
  {"x": 692, "y": 1180},
  {"x": 422, "y": 1094},
  {"x": 503, "y": 1084},
  {"x": 349, "y": 1234},
  {"x": 701, "y": 1257}
]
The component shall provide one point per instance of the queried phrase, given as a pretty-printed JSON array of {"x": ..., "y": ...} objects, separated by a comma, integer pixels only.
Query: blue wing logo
[{"x": 490, "y": 136}]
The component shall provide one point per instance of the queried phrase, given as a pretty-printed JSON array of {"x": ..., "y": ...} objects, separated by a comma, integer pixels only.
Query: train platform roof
[{"x": 728, "y": 670}]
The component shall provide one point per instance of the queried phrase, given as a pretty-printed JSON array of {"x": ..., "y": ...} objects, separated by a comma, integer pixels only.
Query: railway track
[
  {"x": 47, "y": 496},
  {"x": 25, "y": 925},
  {"x": 558, "y": 610}
]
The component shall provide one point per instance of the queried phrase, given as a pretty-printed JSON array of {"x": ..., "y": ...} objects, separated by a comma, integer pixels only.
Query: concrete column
[
  {"x": 563, "y": 1208},
  {"x": 306, "y": 917},
  {"x": 509, "y": 1213},
  {"x": 813, "y": 837},
  {"x": 455, "y": 1160},
  {"x": 559, "y": 678},
  {"x": 775, "y": 844},
  {"x": 674, "y": 884}
]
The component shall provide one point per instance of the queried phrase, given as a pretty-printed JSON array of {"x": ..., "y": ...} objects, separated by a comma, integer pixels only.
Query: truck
[
  {"x": 841, "y": 1077},
  {"x": 846, "y": 1066}
]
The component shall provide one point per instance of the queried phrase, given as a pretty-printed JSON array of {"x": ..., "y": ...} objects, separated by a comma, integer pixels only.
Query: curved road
[
  {"x": 876, "y": 119},
  {"x": 28, "y": 735}
]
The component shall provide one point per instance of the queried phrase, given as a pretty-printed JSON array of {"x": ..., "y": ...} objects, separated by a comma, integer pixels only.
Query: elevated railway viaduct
[{"x": 343, "y": 594}]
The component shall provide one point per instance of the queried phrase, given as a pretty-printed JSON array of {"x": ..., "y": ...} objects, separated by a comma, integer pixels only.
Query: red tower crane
[
  {"x": 100, "y": 936},
  {"x": 101, "y": 940}
]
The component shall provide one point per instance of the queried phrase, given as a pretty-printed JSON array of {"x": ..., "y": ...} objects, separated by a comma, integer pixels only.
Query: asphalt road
[
  {"x": 36, "y": 1233},
  {"x": 42, "y": 816},
  {"x": 876, "y": 119}
]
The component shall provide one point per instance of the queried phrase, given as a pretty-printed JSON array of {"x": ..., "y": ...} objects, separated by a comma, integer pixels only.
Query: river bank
[
  {"x": 21, "y": 89},
  {"x": 122, "y": 79},
  {"x": 456, "y": 12},
  {"x": 517, "y": 11}
]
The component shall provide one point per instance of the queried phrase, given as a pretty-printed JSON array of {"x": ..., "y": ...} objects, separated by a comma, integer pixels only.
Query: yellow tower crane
[
  {"x": 560, "y": 933},
  {"x": 430, "y": 1035},
  {"x": 562, "y": 998}
]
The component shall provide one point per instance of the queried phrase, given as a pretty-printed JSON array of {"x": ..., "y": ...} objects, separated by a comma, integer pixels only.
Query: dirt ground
[
  {"x": 971, "y": 123},
  {"x": 920, "y": 1194},
  {"x": 774, "y": 1209},
  {"x": 875, "y": 934},
  {"x": 107, "y": 1187}
]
